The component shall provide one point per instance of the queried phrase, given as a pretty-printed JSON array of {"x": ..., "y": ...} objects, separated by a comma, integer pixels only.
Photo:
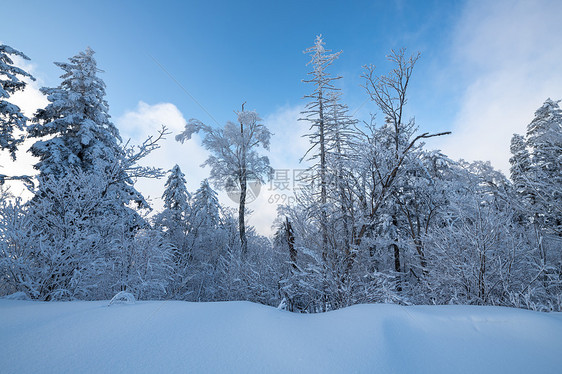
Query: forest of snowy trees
[{"x": 382, "y": 218}]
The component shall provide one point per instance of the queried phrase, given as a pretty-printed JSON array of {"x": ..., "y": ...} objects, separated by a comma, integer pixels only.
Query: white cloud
[
  {"x": 510, "y": 53},
  {"x": 30, "y": 99}
]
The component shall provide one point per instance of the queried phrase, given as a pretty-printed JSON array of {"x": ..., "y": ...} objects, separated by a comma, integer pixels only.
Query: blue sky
[
  {"x": 485, "y": 66},
  {"x": 225, "y": 53}
]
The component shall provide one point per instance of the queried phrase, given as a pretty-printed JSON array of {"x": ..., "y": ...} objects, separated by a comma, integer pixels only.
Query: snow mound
[
  {"x": 17, "y": 296},
  {"x": 122, "y": 297},
  {"x": 241, "y": 337}
]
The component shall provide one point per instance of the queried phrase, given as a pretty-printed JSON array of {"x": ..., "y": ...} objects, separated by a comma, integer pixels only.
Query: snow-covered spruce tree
[
  {"x": 206, "y": 209},
  {"x": 536, "y": 167},
  {"x": 536, "y": 171},
  {"x": 74, "y": 131},
  {"x": 82, "y": 206},
  {"x": 11, "y": 117},
  {"x": 175, "y": 217},
  {"x": 175, "y": 196},
  {"x": 234, "y": 156},
  {"x": 520, "y": 170}
]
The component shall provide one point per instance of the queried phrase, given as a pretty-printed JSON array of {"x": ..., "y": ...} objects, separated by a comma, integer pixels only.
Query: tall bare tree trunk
[{"x": 323, "y": 191}]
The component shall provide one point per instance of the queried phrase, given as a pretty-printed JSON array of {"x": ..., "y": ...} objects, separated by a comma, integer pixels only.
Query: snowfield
[{"x": 242, "y": 337}]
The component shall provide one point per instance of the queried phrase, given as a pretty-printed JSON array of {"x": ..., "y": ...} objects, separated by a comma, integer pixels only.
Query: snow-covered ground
[{"x": 241, "y": 337}]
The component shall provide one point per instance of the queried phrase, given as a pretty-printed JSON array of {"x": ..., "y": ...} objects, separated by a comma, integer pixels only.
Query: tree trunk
[
  {"x": 241, "y": 210},
  {"x": 323, "y": 192},
  {"x": 291, "y": 244},
  {"x": 243, "y": 179}
]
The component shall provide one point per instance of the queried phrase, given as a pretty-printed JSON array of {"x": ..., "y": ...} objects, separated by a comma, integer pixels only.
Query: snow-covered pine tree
[
  {"x": 74, "y": 132},
  {"x": 177, "y": 210},
  {"x": 205, "y": 208},
  {"x": 175, "y": 196},
  {"x": 520, "y": 162},
  {"x": 536, "y": 171},
  {"x": 11, "y": 117},
  {"x": 76, "y": 121},
  {"x": 82, "y": 206},
  {"x": 174, "y": 223},
  {"x": 234, "y": 156},
  {"x": 544, "y": 176}
]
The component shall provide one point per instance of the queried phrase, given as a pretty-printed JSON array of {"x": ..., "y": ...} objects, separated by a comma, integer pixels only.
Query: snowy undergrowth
[{"x": 182, "y": 337}]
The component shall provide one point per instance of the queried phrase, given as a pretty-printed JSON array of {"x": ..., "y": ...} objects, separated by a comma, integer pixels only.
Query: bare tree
[
  {"x": 316, "y": 113},
  {"x": 389, "y": 93}
]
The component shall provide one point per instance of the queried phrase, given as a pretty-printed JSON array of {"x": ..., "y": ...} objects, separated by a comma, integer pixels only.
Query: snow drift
[{"x": 182, "y": 337}]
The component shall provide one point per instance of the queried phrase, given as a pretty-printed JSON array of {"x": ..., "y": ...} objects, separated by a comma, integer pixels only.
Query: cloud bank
[{"x": 508, "y": 53}]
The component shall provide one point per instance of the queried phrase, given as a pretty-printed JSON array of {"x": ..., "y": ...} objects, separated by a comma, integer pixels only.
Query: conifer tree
[
  {"x": 11, "y": 117},
  {"x": 82, "y": 206},
  {"x": 76, "y": 121},
  {"x": 206, "y": 208},
  {"x": 536, "y": 167},
  {"x": 177, "y": 212}
]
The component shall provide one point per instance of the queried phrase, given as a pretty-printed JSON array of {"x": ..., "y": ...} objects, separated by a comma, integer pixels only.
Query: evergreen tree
[
  {"x": 177, "y": 207},
  {"x": 536, "y": 167},
  {"x": 11, "y": 117},
  {"x": 76, "y": 121},
  {"x": 206, "y": 208},
  {"x": 176, "y": 197},
  {"x": 82, "y": 206},
  {"x": 175, "y": 217},
  {"x": 74, "y": 132},
  {"x": 544, "y": 139}
]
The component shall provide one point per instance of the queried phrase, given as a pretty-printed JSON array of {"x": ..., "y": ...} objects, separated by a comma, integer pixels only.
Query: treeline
[{"x": 379, "y": 219}]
